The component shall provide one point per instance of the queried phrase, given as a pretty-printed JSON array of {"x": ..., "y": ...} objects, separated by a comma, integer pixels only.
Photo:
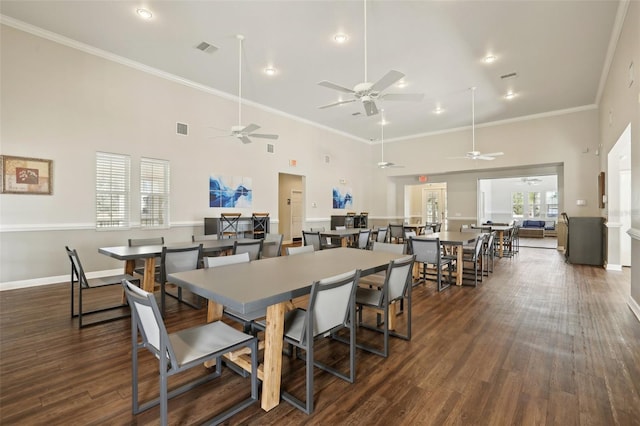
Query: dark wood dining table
[
  {"x": 271, "y": 284},
  {"x": 455, "y": 239},
  {"x": 149, "y": 253}
]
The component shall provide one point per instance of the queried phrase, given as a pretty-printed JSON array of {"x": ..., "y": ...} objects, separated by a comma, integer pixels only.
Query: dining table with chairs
[{"x": 271, "y": 284}]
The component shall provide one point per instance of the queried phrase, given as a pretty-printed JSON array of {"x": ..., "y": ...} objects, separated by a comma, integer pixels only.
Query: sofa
[{"x": 537, "y": 228}]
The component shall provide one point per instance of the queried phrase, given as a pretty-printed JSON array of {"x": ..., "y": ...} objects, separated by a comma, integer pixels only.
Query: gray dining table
[
  {"x": 149, "y": 253},
  {"x": 457, "y": 240},
  {"x": 271, "y": 284},
  {"x": 343, "y": 234}
]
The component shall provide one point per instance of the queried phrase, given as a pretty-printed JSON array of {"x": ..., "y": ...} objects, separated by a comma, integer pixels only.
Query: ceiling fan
[
  {"x": 240, "y": 131},
  {"x": 368, "y": 92},
  {"x": 384, "y": 164},
  {"x": 476, "y": 155}
]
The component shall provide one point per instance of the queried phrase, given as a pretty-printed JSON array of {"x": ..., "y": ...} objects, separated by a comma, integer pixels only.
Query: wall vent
[
  {"x": 326, "y": 158},
  {"x": 206, "y": 47},
  {"x": 270, "y": 148},
  {"x": 182, "y": 129}
]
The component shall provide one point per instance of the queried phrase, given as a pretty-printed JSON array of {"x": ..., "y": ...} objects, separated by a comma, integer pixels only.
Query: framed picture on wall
[{"x": 23, "y": 175}]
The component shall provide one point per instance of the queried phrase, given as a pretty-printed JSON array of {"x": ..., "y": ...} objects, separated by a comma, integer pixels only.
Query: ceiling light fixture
[
  {"x": 340, "y": 38},
  {"x": 144, "y": 14},
  {"x": 510, "y": 95},
  {"x": 489, "y": 59},
  {"x": 438, "y": 110},
  {"x": 270, "y": 71},
  {"x": 401, "y": 84}
]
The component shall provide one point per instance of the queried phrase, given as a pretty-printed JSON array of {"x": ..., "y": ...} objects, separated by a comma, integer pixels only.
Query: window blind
[
  {"x": 154, "y": 193},
  {"x": 112, "y": 190}
]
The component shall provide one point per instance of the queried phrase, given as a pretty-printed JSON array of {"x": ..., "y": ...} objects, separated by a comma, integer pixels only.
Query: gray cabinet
[{"x": 585, "y": 245}]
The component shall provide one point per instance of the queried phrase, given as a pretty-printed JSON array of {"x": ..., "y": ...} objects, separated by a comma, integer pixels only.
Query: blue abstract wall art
[
  {"x": 342, "y": 200},
  {"x": 230, "y": 191}
]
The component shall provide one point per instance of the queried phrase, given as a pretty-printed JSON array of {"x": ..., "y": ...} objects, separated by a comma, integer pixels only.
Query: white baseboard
[
  {"x": 635, "y": 308},
  {"x": 36, "y": 282},
  {"x": 613, "y": 267}
]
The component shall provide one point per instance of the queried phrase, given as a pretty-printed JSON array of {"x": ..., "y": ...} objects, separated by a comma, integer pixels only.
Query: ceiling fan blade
[
  {"x": 250, "y": 128},
  {"x": 336, "y": 104},
  {"x": 493, "y": 154},
  {"x": 330, "y": 85},
  {"x": 258, "y": 135},
  {"x": 484, "y": 157},
  {"x": 386, "y": 81},
  {"x": 413, "y": 97},
  {"x": 370, "y": 107},
  {"x": 244, "y": 139}
]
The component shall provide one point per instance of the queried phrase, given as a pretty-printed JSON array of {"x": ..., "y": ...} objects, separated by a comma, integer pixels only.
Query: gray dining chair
[
  {"x": 364, "y": 239},
  {"x": 254, "y": 248},
  {"x": 474, "y": 261},
  {"x": 272, "y": 246},
  {"x": 331, "y": 308},
  {"x": 325, "y": 242},
  {"x": 396, "y": 287},
  {"x": 203, "y": 238},
  {"x": 79, "y": 280},
  {"x": 181, "y": 351},
  {"x": 245, "y": 319},
  {"x": 178, "y": 260},
  {"x": 299, "y": 250},
  {"x": 381, "y": 237},
  {"x": 396, "y": 234},
  {"x": 139, "y": 263},
  {"x": 429, "y": 255}
]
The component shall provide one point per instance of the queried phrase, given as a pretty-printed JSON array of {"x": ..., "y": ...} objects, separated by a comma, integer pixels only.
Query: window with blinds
[
  {"x": 154, "y": 193},
  {"x": 112, "y": 190}
]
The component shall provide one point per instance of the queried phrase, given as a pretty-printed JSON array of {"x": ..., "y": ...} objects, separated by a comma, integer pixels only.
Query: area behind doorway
[{"x": 290, "y": 206}]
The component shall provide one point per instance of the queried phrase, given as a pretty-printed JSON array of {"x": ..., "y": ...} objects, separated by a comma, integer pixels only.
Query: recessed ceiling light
[
  {"x": 270, "y": 71},
  {"x": 401, "y": 84},
  {"x": 383, "y": 122},
  {"x": 144, "y": 14},
  {"x": 489, "y": 59},
  {"x": 438, "y": 110},
  {"x": 510, "y": 95},
  {"x": 340, "y": 38}
]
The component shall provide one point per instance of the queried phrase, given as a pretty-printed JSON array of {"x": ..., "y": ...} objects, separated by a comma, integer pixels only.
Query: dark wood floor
[{"x": 540, "y": 342}]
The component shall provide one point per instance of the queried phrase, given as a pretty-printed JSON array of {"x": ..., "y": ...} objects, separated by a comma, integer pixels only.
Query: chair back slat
[
  {"x": 213, "y": 262},
  {"x": 399, "y": 277},
  {"x": 254, "y": 248},
  {"x": 382, "y": 235},
  {"x": 363, "y": 238},
  {"x": 330, "y": 303},
  {"x": 272, "y": 250},
  {"x": 179, "y": 259},
  {"x": 312, "y": 239},
  {"x": 76, "y": 267},
  {"x": 148, "y": 320},
  {"x": 291, "y": 251},
  {"x": 426, "y": 251},
  {"x": 388, "y": 247}
]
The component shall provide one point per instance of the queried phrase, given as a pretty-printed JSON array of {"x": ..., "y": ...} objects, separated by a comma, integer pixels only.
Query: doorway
[
  {"x": 618, "y": 202},
  {"x": 290, "y": 206},
  {"x": 434, "y": 199}
]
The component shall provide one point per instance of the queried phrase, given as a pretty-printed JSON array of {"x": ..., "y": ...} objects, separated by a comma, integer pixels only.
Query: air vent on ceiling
[
  {"x": 326, "y": 158},
  {"x": 206, "y": 47},
  {"x": 270, "y": 148},
  {"x": 182, "y": 129},
  {"x": 510, "y": 75}
]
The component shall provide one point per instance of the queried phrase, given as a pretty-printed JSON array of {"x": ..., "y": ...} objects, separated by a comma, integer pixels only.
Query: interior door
[{"x": 296, "y": 213}]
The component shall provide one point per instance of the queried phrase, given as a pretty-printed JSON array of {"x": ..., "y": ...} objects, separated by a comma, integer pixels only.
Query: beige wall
[{"x": 619, "y": 107}]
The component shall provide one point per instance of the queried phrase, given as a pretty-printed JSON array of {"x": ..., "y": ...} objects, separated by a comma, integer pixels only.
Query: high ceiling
[{"x": 558, "y": 50}]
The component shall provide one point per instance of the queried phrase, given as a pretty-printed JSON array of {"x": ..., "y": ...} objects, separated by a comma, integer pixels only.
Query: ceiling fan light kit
[
  {"x": 368, "y": 92},
  {"x": 240, "y": 131},
  {"x": 473, "y": 154}
]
